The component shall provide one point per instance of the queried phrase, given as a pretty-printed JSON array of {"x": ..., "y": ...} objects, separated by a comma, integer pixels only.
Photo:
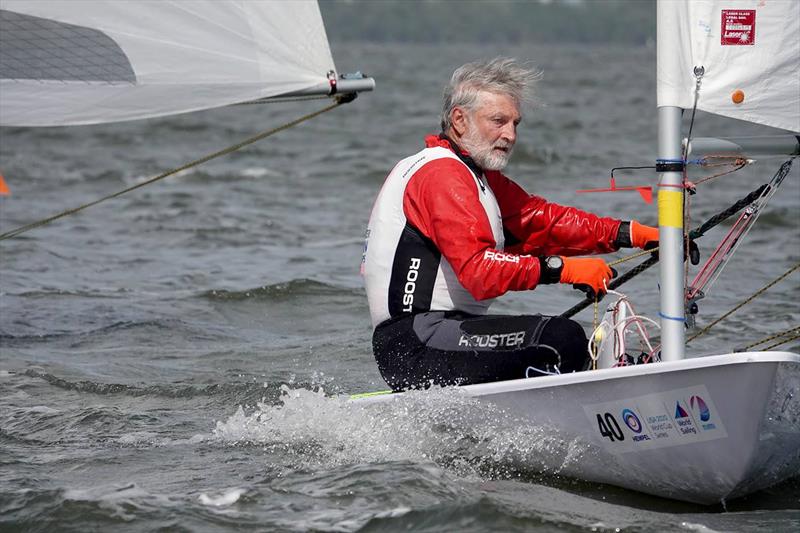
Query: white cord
[{"x": 616, "y": 330}]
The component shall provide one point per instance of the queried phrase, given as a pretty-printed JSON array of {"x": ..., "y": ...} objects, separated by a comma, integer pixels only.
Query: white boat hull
[{"x": 700, "y": 430}]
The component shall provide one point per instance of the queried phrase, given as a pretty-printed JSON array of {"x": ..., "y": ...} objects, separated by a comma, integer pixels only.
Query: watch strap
[{"x": 548, "y": 274}]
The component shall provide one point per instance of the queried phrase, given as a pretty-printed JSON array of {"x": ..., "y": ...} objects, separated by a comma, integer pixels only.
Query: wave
[
  {"x": 240, "y": 392},
  {"x": 47, "y": 292},
  {"x": 281, "y": 291},
  {"x": 124, "y": 325}
]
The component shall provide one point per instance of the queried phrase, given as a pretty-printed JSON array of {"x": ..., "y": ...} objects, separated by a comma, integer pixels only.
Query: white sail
[
  {"x": 88, "y": 61},
  {"x": 749, "y": 49}
]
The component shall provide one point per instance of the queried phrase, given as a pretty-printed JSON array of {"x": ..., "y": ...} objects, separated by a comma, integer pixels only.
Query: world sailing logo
[{"x": 684, "y": 421}]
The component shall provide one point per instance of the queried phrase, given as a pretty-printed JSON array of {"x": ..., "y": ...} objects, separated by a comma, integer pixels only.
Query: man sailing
[{"x": 449, "y": 233}]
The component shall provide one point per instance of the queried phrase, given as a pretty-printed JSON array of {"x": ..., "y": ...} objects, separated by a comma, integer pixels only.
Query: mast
[
  {"x": 670, "y": 194},
  {"x": 670, "y": 226}
]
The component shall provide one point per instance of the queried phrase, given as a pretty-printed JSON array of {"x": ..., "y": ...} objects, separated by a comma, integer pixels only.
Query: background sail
[
  {"x": 84, "y": 61},
  {"x": 752, "y": 46}
]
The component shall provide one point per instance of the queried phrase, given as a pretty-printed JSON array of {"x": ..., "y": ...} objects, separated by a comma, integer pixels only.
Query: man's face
[{"x": 491, "y": 130}]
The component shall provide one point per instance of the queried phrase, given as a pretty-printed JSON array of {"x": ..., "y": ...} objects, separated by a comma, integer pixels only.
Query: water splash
[
  {"x": 467, "y": 436},
  {"x": 229, "y": 497}
]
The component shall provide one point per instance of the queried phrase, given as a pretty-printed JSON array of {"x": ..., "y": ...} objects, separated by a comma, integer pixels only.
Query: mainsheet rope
[{"x": 340, "y": 99}]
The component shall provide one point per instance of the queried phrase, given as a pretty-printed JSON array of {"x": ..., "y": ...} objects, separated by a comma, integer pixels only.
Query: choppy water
[{"x": 179, "y": 358}]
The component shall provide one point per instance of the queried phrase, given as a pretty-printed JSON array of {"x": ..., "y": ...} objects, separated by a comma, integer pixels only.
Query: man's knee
[{"x": 569, "y": 339}]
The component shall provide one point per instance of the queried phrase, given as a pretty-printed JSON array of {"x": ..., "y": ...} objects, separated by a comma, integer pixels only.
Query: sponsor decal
[
  {"x": 493, "y": 255},
  {"x": 683, "y": 420},
  {"x": 738, "y": 27},
  {"x": 635, "y": 425},
  {"x": 660, "y": 425},
  {"x": 411, "y": 284},
  {"x": 670, "y": 418},
  {"x": 702, "y": 411},
  {"x": 501, "y": 340},
  {"x": 700, "y": 407},
  {"x": 631, "y": 420}
]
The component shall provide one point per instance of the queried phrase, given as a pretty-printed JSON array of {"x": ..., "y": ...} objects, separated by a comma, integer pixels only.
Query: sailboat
[
  {"x": 698, "y": 429},
  {"x": 89, "y": 61}
]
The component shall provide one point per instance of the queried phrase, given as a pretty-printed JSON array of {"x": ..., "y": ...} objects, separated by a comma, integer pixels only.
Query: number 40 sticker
[{"x": 609, "y": 427}]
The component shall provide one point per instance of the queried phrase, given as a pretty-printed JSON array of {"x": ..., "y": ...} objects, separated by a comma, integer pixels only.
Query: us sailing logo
[{"x": 700, "y": 408}]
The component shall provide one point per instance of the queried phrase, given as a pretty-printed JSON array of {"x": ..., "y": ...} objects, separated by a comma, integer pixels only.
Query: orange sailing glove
[
  {"x": 587, "y": 273},
  {"x": 642, "y": 236},
  {"x": 646, "y": 237}
]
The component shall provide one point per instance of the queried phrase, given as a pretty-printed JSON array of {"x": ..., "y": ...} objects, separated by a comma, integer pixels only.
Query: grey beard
[
  {"x": 491, "y": 161},
  {"x": 484, "y": 157}
]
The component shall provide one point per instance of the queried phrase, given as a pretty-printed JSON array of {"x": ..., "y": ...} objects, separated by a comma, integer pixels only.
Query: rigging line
[
  {"x": 687, "y": 202},
  {"x": 784, "y": 341},
  {"x": 742, "y": 304},
  {"x": 698, "y": 73},
  {"x": 790, "y": 331},
  {"x": 694, "y": 234},
  {"x": 649, "y": 251},
  {"x": 735, "y": 237},
  {"x": 225, "y": 151},
  {"x": 741, "y": 163}
]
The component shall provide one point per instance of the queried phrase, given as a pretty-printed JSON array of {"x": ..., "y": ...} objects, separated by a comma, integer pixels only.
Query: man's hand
[
  {"x": 642, "y": 236},
  {"x": 646, "y": 237},
  {"x": 587, "y": 273}
]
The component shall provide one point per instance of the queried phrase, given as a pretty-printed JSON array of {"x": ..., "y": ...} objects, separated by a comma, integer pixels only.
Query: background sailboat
[{"x": 87, "y": 62}]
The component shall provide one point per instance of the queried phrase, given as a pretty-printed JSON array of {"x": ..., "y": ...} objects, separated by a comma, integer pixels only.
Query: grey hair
[{"x": 502, "y": 75}]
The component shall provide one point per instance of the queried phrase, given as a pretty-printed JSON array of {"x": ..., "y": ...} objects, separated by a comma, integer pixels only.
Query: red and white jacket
[{"x": 443, "y": 236}]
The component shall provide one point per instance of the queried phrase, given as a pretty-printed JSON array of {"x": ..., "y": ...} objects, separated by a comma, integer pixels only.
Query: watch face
[{"x": 554, "y": 262}]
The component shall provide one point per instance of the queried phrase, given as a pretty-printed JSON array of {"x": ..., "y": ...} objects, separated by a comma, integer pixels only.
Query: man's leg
[{"x": 455, "y": 349}]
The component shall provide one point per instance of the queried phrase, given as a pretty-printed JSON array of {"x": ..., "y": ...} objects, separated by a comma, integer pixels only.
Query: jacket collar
[{"x": 444, "y": 141}]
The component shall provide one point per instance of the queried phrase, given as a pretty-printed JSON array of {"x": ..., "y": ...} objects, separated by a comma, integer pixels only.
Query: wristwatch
[{"x": 551, "y": 267}]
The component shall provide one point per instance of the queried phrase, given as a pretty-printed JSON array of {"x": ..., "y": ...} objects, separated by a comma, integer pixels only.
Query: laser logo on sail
[{"x": 738, "y": 27}]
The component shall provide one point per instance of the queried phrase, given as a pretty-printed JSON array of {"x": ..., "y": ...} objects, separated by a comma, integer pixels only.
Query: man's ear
[{"x": 458, "y": 120}]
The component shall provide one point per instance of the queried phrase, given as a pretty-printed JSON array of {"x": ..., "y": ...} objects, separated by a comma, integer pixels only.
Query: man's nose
[{"x": 510, "y": 132}]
